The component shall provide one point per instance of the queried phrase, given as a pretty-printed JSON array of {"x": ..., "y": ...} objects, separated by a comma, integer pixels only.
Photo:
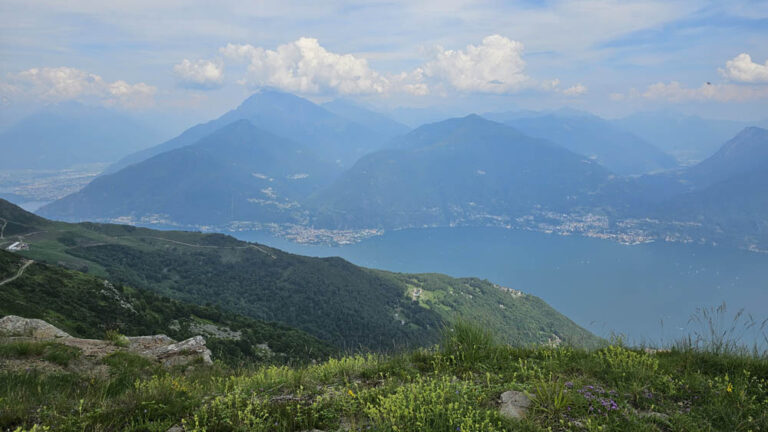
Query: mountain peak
[
  {"x": 745, "y": 152},
  {"x": 752, "y": 132},
  {"x": 269, "y": 98},
  {"x": 751, "y": 139}
]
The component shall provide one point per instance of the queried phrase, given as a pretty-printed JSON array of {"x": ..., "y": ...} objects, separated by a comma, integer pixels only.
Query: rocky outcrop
[
  {"x": 14, "y": 326},
  {"x": 160, "y": 348},
  {"x": 514, "y": 404},
  {"x": 181, "y": 352}
]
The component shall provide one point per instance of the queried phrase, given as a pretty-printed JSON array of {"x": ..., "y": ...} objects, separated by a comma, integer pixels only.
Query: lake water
[{"x": 646, "y": 292}]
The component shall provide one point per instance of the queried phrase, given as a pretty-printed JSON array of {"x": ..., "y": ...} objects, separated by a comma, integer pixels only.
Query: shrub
[
  {"x": 439, "y": 404},
  {"x": 469, "y": 345},
  {"x": 622, "y": 366},
  {"x": 117, "y": 338},
  {"x": 550, "y": 397}
]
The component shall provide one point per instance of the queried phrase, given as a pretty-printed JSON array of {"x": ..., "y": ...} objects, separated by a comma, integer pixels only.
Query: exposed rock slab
[
  {"x": 15, "y": 326},
  {"x": 160, "y": 348},
  {"x": 146, "y": 343},
  {"x": 514, "y": 404},
  {"x": 181, "y": 352}
]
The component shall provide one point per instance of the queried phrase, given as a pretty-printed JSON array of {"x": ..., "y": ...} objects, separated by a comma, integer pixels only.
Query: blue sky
[{"x": 196, "y": 59}]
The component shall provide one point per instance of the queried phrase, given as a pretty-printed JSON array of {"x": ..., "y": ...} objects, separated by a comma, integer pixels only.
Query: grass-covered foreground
[{"x": 451, "y": 387}]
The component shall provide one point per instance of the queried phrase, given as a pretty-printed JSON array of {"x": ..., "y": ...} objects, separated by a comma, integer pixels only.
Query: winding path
[
  {"x": 2, "y": 228},
  {"x": 247, "y": 246},
  {"x": 26, "y": 264}
]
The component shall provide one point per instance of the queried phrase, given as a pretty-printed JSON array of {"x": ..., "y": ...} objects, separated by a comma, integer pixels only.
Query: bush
[
  {"x": 469, "y": 345},
  {"x": 117, "y": 338},
  {"x": 439, "y": 404},
  {"x": 622, "y": 366}
]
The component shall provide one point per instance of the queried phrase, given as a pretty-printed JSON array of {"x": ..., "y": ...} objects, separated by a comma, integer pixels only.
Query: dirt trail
[
  {"x": 26, "y": 264},
  {"x": 214, "y": 247},
  {"x": 2, "y": 228}
]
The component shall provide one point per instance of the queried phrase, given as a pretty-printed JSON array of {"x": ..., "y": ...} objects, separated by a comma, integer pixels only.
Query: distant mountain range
[
  {"x": 688, "y": 138},
  {"x": 71, "y": 134},
  {"x": 237, "y": 173},
  {"x": 275, "y": 160},
  {"x": 348, "y": 306},
  {"x": 379, "y": 123},
  {"x": 622, "y": 152},
  {"x": 456, "y": 171},
  {"x": 724, "y": 195},
  {"x": 332, "y": 137}
]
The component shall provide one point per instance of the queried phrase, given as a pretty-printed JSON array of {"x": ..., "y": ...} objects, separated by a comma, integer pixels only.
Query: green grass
[
  {"x": 453, "y": 386},
  {"x": 49, "y": 351}
]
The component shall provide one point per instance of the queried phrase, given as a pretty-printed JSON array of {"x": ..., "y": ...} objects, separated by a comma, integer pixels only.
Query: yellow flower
[
  {"x": 729, "y": 389},
  {"x": 351, "y": 393}
]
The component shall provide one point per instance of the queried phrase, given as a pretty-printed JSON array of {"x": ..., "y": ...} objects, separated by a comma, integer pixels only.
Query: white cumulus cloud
[
  {"x": 303, "y": 66},
  {"x": 201, "y": 74},
  {"x": 742, "y": 69},
  {"x": 65, "y": 83},
  {"x": 494, "y": 66},
  {"x": 577, "y": 90}
]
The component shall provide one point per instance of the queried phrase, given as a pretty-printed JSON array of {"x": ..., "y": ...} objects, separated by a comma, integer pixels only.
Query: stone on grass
[
  {"x": 514, "y": 404},
  {"x": 15, "y": 326}
]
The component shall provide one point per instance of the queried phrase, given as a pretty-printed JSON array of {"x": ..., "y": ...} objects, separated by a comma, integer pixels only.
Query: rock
[
  {"x": 182, "y": 352},
  {"x": 158, "y": 347},
  {"x": 146, "y": 343},
  {"x": 514, "y": 404},
  {"x": 175, "y": 428},
  {"x": 215, "y": 331},
  {"x": 14, "y": 326}
]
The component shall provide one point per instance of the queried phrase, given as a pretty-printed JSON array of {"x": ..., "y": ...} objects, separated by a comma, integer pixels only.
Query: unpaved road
[{"x": 26, "y": 264}]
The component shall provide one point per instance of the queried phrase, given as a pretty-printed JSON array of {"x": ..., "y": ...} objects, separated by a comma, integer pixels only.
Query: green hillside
[
  {"x": 468, "y": 383},
  {"x": 87, "y": 306},
  {"x": 349, "y": 306}
]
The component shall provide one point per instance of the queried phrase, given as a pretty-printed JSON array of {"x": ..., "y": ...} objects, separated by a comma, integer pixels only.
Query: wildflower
[
  {"x": 569, "y": 384},
  {"x": 351, "y": 393},
  {"x": 729, "y": 389}
]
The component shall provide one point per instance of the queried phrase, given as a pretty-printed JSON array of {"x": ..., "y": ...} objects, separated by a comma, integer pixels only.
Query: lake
[{"x": 646, "y": 292}]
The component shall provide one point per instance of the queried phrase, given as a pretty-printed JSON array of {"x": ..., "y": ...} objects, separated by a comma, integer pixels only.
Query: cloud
[
  {"x": 200, "y": 74},
  {"x": 742, "y": 69},
  {"x": 65, "y": 83},
  {"x": 676, "y": 92},
  {"x": 304, "y": 66},
  {"x": 577, "y": 90},
  {"x": 494, "y": 66}
]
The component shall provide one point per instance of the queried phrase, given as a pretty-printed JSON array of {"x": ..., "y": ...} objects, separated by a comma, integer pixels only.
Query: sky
[{"x": 190, "y": 60}]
